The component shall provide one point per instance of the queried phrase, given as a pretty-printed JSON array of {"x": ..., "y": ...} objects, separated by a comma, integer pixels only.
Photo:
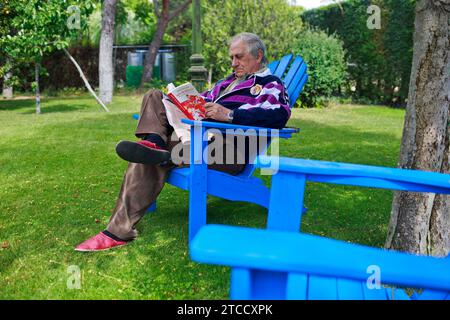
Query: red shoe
[
  {"x": 143, "y": 151},
  {"x": 99, "y": 242}
]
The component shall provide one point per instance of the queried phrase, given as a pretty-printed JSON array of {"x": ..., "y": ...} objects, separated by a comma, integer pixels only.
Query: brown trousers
[{"x": 142, "y": 183}]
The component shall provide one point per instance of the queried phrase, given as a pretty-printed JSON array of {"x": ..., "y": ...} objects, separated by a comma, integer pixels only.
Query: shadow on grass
[
  {"x": 162, "y": 266},
  {"x": 167, "y": 228},
  {"x": 47, "y": 105},
  {"x": 58, "y": 108},
  {"x": 10, "y": 105}
]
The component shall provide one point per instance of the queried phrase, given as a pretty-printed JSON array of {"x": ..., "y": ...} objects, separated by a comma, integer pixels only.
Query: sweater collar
[
  {"x": 249, "y": 81},
  {"x": 264, "y": 71}
]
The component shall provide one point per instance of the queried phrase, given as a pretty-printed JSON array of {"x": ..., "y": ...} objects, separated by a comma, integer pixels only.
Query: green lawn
[{"x": 60, "y": 176}]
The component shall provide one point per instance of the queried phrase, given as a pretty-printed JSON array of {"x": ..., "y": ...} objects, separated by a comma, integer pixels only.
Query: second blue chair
[{"x": 282, "y": 263}]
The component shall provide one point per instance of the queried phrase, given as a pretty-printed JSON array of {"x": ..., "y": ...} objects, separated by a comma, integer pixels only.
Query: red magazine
[{"x": 188, "y": 100}]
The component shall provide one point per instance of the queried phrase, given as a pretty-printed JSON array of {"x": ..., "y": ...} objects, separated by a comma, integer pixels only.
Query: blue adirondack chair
[
  {"x": 281, "y": 263},
  {"x": 201, "y": 181}
]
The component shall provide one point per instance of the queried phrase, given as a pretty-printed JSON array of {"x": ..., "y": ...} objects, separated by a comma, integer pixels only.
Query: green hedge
[
  {"x": 324, "y": 56},
  {"x": 380, "y": 59},
  {"x": 274, "y": 21}
]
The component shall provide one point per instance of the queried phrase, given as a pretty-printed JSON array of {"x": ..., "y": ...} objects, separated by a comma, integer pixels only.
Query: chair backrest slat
[
  {"x": 294, "y": 79},
  {"x": 282, "y": 66},
  {"x": 297, "y": 286},
  {"x": 273, "y": 66},
  {"x": 322, "y": 288},
  {"x": 293, "y": 96},
  {"x": 293, "y": 71},
  {"x": 350, "y": 289}
]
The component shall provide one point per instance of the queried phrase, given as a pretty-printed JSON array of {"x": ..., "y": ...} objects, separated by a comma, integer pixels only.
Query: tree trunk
[
  {"x": 7, "y": 89},
  {"x": 420, "y": 223},
  {"x": 37, "y": 67},
  {"x": 150, "y": 57},
  {"x": 106, "y": 66},
  {"x": 164, "y": 17}
]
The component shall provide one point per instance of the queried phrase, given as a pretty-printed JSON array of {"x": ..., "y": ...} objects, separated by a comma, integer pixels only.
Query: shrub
[
  {"x": 380, "y": 58},
  {"x": 324, "y": 56},
  {"x": 276, "y": 22}
]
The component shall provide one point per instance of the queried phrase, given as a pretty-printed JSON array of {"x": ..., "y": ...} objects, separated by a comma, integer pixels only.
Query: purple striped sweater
[{"x": 261, "y": 100}]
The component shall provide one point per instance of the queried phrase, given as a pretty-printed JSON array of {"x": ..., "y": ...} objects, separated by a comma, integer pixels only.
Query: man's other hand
[{"x": 217, "y": 112}]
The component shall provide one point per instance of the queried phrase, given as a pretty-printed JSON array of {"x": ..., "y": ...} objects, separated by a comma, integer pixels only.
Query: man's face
[{"x": 242, "y": 61}]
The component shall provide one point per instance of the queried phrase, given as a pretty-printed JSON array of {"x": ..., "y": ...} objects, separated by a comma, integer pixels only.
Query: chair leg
[
  {"x": 279, "y": 218},
  {"x": 197, "y": 212},
  {"x": 198, "y": 181}
]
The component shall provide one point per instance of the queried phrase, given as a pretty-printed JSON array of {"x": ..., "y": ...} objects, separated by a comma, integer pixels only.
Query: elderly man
[{"x": 249, "y": 96}]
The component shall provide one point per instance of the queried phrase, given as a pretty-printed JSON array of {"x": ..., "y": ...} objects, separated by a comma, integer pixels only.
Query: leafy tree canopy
[
  {"x": 38, "y": 27},
  {"x": 274, "y": 21}
]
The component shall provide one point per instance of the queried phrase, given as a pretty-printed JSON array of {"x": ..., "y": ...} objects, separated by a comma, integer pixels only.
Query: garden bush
[
  {"x": 274, "y": 21},
  {"x": 324, "y": 56},
  {"x": 379, "y": 59}
]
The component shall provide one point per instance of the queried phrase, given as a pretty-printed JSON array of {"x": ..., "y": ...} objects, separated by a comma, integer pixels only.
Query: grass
[{"x": 60, "y": 177}]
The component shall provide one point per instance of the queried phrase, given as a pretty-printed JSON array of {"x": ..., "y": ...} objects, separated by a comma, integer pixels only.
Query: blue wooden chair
[
  {"x": 281, "y": 263},
  {"x": 201, "y": 181}
]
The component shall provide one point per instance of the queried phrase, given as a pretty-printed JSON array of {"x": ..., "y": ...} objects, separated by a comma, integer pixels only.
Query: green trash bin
[
  {"x": 157, "y": 68},
  {"x": 133, "y": 76}
]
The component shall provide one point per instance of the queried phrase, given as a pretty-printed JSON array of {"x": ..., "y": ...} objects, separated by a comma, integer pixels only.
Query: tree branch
[
  {"x": 178, "y": 10},
  {"x": 340, "y": 6},
  {"x": 88, "y": 86},
  {"x": 156, "y": 9},
  {"x": 442, "y": 4},
  {"x": 445, "y": 5}
]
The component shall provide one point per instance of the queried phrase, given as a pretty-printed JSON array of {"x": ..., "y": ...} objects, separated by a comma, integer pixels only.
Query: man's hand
[{"x": 217, "y": 112}]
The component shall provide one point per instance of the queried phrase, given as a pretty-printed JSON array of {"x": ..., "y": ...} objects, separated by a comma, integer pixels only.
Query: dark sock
[
  {"x": 109, "y": 234},
  {"x": 156, "y": 139}
]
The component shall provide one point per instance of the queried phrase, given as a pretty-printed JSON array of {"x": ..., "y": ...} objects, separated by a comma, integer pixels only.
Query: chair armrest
[
  {"x": 302, "y": 253},
  {"x": 243, "y": 130},
  {"x": 361, "y": 175}
]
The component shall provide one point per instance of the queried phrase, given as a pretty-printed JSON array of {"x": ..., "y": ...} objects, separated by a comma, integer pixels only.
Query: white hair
[{"x": 254, "y": 44}]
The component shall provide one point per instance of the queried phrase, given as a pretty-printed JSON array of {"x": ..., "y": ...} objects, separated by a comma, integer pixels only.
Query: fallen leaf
[{"x": 5, "y": 245}]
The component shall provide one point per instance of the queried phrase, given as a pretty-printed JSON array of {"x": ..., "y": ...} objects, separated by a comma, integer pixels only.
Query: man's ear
[{"x": 260, "y": 56}]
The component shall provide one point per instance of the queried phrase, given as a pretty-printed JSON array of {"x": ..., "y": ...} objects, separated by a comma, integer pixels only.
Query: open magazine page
[
  {"x": 174, "y": 116},
  {"x": 188, "y": 100}
]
